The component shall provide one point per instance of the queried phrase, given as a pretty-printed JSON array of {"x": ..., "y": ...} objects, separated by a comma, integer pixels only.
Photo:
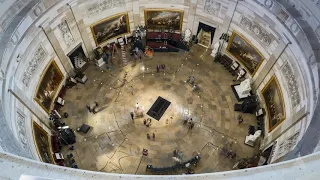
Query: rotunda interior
[{"x": 154, "y": 88}]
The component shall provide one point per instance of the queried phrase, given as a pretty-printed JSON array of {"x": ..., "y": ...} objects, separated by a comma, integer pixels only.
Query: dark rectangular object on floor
[
  {"x": 84, "y": 128},
  {"x": 158, "y": 108}
]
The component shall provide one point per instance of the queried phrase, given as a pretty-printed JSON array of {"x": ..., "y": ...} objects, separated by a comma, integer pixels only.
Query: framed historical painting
[
  {"x": 111, "y": 27},
  {"x": 273, "y": 98},
  {"x": 48, "y": 86},
  {"x": 42, "y": 142},
  {"x": 163, "y": 19},
  {"x": 245, "y": 53}
]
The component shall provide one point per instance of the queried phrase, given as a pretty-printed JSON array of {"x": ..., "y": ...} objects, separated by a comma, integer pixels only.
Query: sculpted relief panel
[
  {"x": 212, "y": 7},
  {"x": 37, "y": 58},
  {"x": 22, "y": 132},
  {"x": 256, "y": 30},
  {"x": 66, "y": 33},
  {"x": 97, "y": 7},
  {"x": 292, "y": 84}
]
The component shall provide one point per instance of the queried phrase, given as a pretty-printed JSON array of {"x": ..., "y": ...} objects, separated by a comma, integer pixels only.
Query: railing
[{"x": 13, "y": 167}]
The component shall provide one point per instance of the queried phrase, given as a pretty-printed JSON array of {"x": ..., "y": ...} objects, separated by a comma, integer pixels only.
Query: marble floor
[{"x": 115, "y": 142}]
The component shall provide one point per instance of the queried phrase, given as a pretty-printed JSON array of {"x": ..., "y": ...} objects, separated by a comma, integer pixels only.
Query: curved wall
[{"x": 34, "y": 37}]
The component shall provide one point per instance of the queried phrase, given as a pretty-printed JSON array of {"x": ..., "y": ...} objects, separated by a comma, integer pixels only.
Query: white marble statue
[
  {"x": 187, "y": 35},
  {"x": 215, "y": 49},
  {"x": 240, "y": 74},
  {"x": 250, "y": 139},
  {"x": 255, "y": 136},
  {"x": 245, "y": 87}
]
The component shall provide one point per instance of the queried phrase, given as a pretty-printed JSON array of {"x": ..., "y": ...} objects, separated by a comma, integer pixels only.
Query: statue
[
  {"x": 240, "y": 74},
  {"x": 215, "y": 49},
  {"x": 244, "y": 88},
  {"x": 250, "y": 139}
]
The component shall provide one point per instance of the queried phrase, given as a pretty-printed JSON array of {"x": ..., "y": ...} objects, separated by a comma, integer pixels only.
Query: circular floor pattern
[{"x": 115, "y": 142}]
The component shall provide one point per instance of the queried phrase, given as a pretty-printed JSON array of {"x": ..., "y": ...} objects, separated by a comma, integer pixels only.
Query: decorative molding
[
  {"x": 37, "y": 58},
  {"x": 22, "y": 132},
  {"x": 37, "y": 11},
  {"x": 287, "y": 145},
  {"x": 268, "y": 3},
  {"x": 9, "y": 14},
  {"x": 66, "y": 33},
  {"x": 256, "y": 30},
  {"x": 97, "y": 7},
  {"x": 212, "y": 7},
  {"x": 292, "y": 85}
]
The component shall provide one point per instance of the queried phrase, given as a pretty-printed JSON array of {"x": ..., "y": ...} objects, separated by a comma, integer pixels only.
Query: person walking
[
  {"x": 153, "y": 136},
  {"x": 148, "y": 136},
  {"x": 132, "y": 115},
  {"x": 188, "y": 79},
  {"x": 88, "y": 107}
]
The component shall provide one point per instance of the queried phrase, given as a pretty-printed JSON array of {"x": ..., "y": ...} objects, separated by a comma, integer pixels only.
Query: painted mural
[
  {"x": 48, "y": 86},
  {"x": 42, "y": 142},
  {"x": 272, "y": 95},
  {"x": 245, "y": 53},
  {"x": 163, "y": 18},
  {"x": 111, "y": 27}
]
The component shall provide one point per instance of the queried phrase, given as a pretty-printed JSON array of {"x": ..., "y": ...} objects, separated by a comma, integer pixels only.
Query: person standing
[
  {"x": 153, "y": 136},
  {"x": 148, "y": 136},
  {"x": 89, "y": 108},
  {"x": 132, "y": 115},
  {"x": 192, "y": 80}
]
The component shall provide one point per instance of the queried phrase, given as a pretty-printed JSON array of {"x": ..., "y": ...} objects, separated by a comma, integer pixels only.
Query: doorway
[
  {"x": 205, "y": 34},
  {"x": 77, "y": 57}
]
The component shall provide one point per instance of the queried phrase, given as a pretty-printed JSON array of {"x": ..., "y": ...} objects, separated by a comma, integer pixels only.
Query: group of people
[
  {"x": 139, "y": 110},
  {"x": 177, "y": 156},
  {"x": 161, "y": 67},
  {"x": 191, "y": 80},
  {"x": 147, "y": 122},
  {"x": 93, "y": 109},
  {"x": 189, "y": 123},
  {"x": 153, "y": 136}
]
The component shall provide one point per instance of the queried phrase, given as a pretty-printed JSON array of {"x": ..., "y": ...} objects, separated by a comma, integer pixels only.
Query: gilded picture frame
[
  {"x": 110, "y": 28},
  {"x": 245, "y": 53},
  {"x": 163, "y": 18},
  {"x": 48, "y": 86},
  {"x": 42, "y": 143},
  {"x": 275, "y": 106}
]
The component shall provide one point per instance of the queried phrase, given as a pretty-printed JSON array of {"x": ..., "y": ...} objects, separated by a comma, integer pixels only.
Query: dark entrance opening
[
  {"x": 77, "y": 57},
  {"x": 205, "y": 34}
]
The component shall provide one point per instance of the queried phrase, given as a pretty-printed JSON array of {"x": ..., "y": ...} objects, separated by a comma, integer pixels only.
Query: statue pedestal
[
  {"x": 248, "y": 141},
  {"x": 100, "y": 62},
  {"x": 243, "y": 89}
]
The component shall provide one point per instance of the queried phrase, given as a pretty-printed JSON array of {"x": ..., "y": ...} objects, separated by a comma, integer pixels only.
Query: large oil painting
[
  {"x": 42, "y": 142},
  {"x": 48, "y": 86},
  {"x": 245, "y": 53},
  {"x": 163, "y": 18},
  {"x": 111, "y": 27},
  {"x": 272, "y": 95}
]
